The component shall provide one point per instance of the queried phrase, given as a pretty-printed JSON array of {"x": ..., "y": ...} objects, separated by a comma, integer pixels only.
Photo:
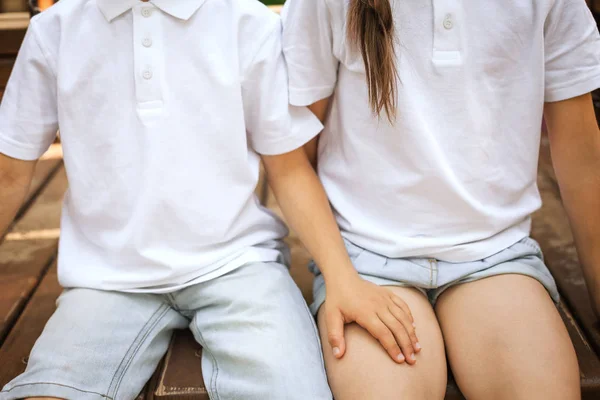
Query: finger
[
  {"x": 400, "y": 335},
  {"x": 381, "y": 332},
  {"x": 335, "y": 333},
  {"x": 400, "y": 303},
  {"x": 401, "y": 316}
]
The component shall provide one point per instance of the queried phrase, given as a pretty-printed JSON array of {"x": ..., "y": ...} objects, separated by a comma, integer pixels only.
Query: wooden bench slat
[
  {"x": 6, "y": 65},
  {"x": 28, "y": 249},
  {"x": 180, "y": 375},
  {"x": 589, "y": 364},
  {"x": 45, "y": 169},
  {"x": 18, "y": 344},
  {"x": 10, "y": 41},
  {"x": 552, "y": 229}
]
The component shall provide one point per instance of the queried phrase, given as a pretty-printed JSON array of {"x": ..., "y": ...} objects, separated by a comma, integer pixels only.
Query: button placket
[
  {"x": 446, "y": 32},
  {"x": 148, "y": 57}
]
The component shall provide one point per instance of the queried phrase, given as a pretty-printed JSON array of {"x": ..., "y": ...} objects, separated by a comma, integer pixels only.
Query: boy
[{"x": 164, "y": 108}]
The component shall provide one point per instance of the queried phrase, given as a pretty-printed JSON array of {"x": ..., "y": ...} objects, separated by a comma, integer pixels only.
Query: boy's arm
[
  {"x": 575, "y": 146},
  {"x": 15, "y": 178},
  {"x": 349, "y": 298}
]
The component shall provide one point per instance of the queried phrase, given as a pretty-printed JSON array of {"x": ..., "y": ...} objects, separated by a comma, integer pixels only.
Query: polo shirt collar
[{"x": 182, "y": 9}]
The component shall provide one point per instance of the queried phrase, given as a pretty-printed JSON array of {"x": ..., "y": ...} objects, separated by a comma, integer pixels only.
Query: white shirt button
[
  {"x": 448, "y": 23},
  {"x": 146, "y": 12},
  {"x": 147, "y": 74},
  {"x": 147, "y": 42}
]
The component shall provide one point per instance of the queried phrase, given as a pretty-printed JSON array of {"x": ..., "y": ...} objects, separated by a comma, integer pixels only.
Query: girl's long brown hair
[{"x": 371, "y": 30}]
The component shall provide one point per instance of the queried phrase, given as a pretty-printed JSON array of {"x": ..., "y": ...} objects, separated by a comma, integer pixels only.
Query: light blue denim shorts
[
  {"x": 260, "y": 341},
  {"x": 433, "y": 277}
]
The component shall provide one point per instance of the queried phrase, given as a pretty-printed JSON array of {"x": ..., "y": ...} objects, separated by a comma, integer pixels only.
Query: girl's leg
[
  {"x": 505, "y": 340},
  {"x": 366, "y": 370}
]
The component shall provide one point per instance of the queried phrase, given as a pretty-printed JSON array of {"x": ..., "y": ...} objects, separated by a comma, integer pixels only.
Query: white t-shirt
[
  {"x": 163, "y": 109},
  {"x": 455, "y": 177}
]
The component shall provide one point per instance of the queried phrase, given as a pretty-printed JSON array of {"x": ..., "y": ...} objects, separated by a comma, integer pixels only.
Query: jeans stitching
[
  {"x": 215, "y": 375},
  {"x": 135, "y": 346},
  {"x": 529, "y": 243},
  {"x": 57, "y": 384},
  {"x": 316, "y": 334}
]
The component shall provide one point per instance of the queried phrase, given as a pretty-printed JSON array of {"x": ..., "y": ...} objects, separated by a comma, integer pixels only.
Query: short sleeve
[
  {"x": 273, "y": 125},
  {"x": 572, "y": 51},
  {"x": 308, "y": 49},
  {"x": 28, "y": 113}
]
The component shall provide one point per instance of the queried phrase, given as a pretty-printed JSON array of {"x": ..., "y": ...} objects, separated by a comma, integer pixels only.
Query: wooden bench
[{"x": 29, "y": 287}]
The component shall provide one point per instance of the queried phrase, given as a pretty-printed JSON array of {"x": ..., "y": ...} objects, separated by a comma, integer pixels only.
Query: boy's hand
[{"x": 383, "y": 314}]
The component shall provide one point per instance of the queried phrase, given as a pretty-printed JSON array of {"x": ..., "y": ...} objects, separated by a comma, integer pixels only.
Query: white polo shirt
[
  {"x": 163, "y": 109},
  {"x": 455, "y": 177}
]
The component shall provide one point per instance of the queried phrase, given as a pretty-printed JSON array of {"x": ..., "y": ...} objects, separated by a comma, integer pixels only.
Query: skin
[{"x": 503, "y": 335}]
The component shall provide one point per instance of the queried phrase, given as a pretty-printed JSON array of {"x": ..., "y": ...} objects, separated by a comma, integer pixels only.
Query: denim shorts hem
[
  {"x": 49, "y": 389},
  {"x": 319, "y": 289},
  {"x": 548, "y": 284}
]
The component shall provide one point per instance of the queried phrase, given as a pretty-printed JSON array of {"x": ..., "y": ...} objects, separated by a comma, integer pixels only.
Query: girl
[
  {"x": 165, "y": 110},
  {"x": 429, "y": 158}
]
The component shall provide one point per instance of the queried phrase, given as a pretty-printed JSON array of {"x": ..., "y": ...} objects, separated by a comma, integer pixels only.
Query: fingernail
[
  {"x": 412, "y": 357},
  {"x": 400, "y": 357},
  {"x": 336, "y": 351},
  {"x": 418, "y": 346},
  {"x": 414, "y": 325}
]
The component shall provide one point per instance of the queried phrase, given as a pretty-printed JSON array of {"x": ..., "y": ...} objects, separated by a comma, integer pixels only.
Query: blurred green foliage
[{"x": 272, "y": 2}]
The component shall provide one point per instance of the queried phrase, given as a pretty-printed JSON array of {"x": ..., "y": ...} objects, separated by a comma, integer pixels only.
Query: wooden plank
[
  {"x": 10, "y": 41},
  {"x": 552, "y": 229},
  {"x": 46, "y": 167},
  {"x": 180, "y": 375},
  {"x": 16, "y": 348},
  {"x": 6, "y": 65},
  {"x": 589, "y": 364},
  {"x": 27, "y": 249},
  {"x": 14, "y": 20}
]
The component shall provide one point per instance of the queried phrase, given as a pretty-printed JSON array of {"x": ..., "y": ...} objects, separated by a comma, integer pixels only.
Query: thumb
[{"x": 335, "y": 333}]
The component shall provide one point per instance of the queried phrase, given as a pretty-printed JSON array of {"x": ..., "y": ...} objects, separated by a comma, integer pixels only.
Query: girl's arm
[
  {"x": 349, "y": 298},
  {"x": 575, "y": 146},
  {"x": 320, "y": 109}
]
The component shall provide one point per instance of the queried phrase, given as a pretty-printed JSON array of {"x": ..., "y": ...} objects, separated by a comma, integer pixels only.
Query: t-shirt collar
[{"x": 182, "y": 9}]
